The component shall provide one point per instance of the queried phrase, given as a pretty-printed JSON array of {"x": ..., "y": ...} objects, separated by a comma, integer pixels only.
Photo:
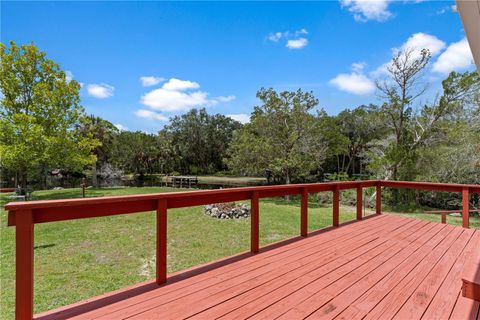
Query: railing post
[
  {"x": 161, "y": 267},
  {"x": 359, "y": 202},
  {"x": 378, "y": 199},
  {"x": 24, "y": 264},
  {"x": 444, "y": 217},
  {"x": 304, "y": 213},
  {"x": 254, "y": 226},
  {"x": 336, "y": 206},
  {"x": 465, "y": 207}
]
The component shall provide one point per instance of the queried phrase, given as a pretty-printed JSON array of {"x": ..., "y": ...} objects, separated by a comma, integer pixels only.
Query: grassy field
[{"x": 75, "y": 260}]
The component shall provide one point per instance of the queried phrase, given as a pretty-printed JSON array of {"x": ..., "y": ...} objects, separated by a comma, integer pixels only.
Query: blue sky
[{"x": 218, "y": 54}]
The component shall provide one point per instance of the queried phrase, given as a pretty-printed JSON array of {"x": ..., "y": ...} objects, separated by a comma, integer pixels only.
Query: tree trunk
[
  {"x": 94, "y": 175},
  {"x": 24, "y": 182},
  {"x": 287, "y": 181}
]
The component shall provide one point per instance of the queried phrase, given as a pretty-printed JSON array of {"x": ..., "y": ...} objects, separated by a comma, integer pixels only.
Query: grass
[{"x": 76, "y": 260}]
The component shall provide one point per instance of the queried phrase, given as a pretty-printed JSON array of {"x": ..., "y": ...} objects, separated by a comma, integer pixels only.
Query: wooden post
[
  {"x": 304, "y": 214},
  {"x": 255, "y": 223},
  {"x": 24, "y": 264},
  {"x": 161, "y": 267},
  {"x": 465, "y": 207},
  {"x": 378, "y": 200},
  {"x": 336, "y": 206},
  {"x": 444, "y": 217},
  {"x": 359, "y": 202}
]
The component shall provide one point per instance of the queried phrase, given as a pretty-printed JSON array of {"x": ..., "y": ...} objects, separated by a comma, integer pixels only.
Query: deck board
[{"x": 384, "y": 267}]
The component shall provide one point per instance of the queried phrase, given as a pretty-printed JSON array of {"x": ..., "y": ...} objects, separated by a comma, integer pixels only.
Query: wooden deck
[{"x": 384, "y": 267}]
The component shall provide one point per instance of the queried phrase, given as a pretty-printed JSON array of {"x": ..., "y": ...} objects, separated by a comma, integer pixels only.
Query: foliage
[
  {"x": 402, "y": 87},
  {"x": 411, "y": 129},
  {"x": 39, "y": 111},
  {"x": 104, "y": 131},
  {"x": 140, "y": 153},
  {"x": 283, "y": 136},
  {"x": 200, "y": 140},
  {"x": 361, "y": 127}
]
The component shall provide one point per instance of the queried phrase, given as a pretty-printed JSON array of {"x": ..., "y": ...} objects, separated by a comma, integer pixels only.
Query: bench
[{"x": 471, "y": 280}]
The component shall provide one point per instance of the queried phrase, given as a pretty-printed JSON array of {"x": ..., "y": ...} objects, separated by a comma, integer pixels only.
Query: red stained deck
[{"x": 384, "y": 267}]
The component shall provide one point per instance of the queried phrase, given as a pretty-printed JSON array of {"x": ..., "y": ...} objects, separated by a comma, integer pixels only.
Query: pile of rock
[{"x": 229, "y": 210}]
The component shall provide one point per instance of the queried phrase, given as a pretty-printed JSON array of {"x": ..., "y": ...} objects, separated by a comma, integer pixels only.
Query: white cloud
[
  {"x": 275, "y": 36},
  {"x": 301, "y": 31},
  {"x": 241, "y": 117},
  {"x": 177, "y": 95},
  {"x": 457, "y": 57},
  {"x": 148, "y": 81},
  {"x": 169, "y": 101},
  {"x": 121, "y": 127},
  {"x": 142, "y": 113},
  {"x": 294, "y": 40},
  {"x": 354, "y": 83},
  {"x": 180, "y": 85},
  {"x": 225, "y": 98},
  {"x": 358, "y": 66},
  {"x": 68, "y": 75},
  {"x": 419, "y": 41},
  {"x": 297, "y": 43},
  {"x": 100, "y": 91},
  {"x": 364, "y": 10},
  {"x": 416, "y": 42},
  {"x": 381, "y": 70}
]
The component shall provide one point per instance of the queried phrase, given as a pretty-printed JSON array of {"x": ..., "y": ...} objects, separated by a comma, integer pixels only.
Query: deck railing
[{"x": 24, "y": 215}]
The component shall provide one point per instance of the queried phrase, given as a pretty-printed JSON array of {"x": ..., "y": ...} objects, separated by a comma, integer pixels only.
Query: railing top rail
[
  {"x": 434, "y": 186},
  {"x": 313, "y": 187},
  {"x": 69, "y": 209}
]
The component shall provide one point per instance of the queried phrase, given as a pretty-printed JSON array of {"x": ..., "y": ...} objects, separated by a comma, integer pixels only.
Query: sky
[{"x": 140, "y": 63}]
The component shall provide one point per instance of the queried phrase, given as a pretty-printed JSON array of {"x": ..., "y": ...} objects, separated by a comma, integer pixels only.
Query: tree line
[{"x": 289, "y": 137}]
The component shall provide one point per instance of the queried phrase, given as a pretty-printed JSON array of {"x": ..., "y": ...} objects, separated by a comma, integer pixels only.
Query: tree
[
  {"x": 200, "y": 140},
  {"x": 403, "y": 86},
  {"x": 451, "y": 153},
  {"x": 40, "y": 110},
  {"x": 139, "y": 153},
  {"x": 104, "y": 131},
  {"x": 361, "y": 127},
  {"x": 282, "y": 136},
  {"x": 414, "y": 129}
]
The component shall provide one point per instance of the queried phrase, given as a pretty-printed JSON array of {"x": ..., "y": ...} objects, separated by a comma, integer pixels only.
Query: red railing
[{"x": 24, "y": 215}]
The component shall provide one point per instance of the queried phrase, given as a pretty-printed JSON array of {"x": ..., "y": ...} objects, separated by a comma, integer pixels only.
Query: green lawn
[{"x": 75, "y": 260}]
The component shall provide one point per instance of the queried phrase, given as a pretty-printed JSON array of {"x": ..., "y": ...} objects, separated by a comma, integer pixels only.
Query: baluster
[
  {"x": 359, "y": 202},
  {"x": 254, "y": 217},
  {"x": 465, "y": 207},
  {"x": 24, "y": 264},
  {"x": 161, "y": 267},
  {"x": 304, "y": 213},
  {"x": 378, "y": 199},
  {"x": 336, "y": 206}
]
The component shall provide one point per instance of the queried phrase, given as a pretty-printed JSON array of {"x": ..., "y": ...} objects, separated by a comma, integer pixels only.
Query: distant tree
[
  {"x": 200, "y": 140},
  {"x": 451, "y": 152},
  {"x": 362, "y": 127},
  {"x": 40, "y": 110},
  {"x": 104, "y": 131},
  {"x": 139, "y": 153},
  {"x": 282, "y": 136},
  {"x": 414, "y": 128},
  {"x": 400, "y": 90}
]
